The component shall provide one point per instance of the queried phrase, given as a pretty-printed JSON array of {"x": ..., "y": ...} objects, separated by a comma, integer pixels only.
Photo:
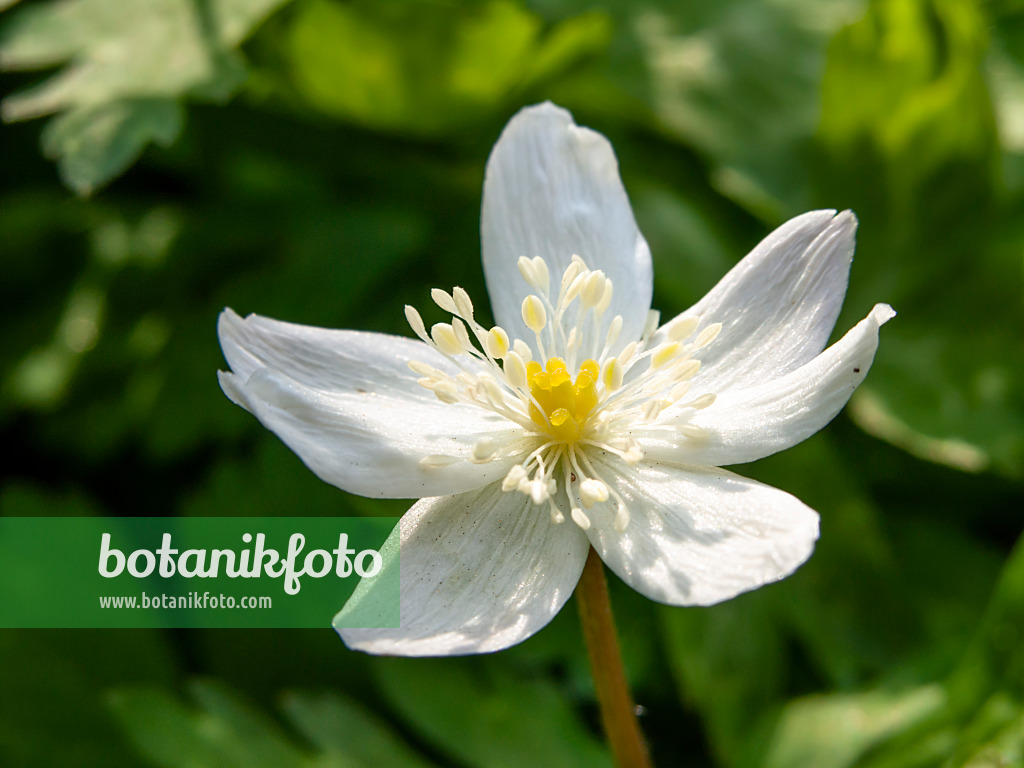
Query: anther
[
  {"x": 683, "y": 327},
  {"x": 664, "y": 353},
  {"x": 415, "y": 322},
  {"x": 612, "y": 376},
  {"x": 621, "y": 521},
  {"x": 580, "y": 519},
  {"x": 701, "y": 402},
  {"x": 593, "y": 289},
  {"x": 446, "y": 340},
  {"x": 496, "y": 342},
  {"x": 593, "y": 492},
  {"x": 708, "y": 335},
  {"x": 437, "y": 460},
  {"x": 484, "y": 449},
  {"x": 462, "y": 302},
  {"x": 614, "y": 329},
  {"x": 650, "y": 324},
  {"x": 534, "y": 315},
  {"x": 515, "y": 475},
  {"x": 444, "y": 300}
]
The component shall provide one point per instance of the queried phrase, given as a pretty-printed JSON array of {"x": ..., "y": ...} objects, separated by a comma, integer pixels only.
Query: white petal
[
  {"x": 779, "y": 304},
  {"x": 697, "y": 536},
  {"x": 748, "y": 424},
  {"x": 479, "y": 572},
  {"x": 552, "y": 189},
  {"x": 348, "y": 405}
]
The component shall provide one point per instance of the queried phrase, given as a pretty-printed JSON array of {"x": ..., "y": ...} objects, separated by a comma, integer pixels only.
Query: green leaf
[
  {"x": 739, "y": 81},
  {"x": 338, "y": 726},
  {"x": 834, "y": 731},
  {"x": 427, "y": 66},
  {"x": 94, "y": 144},
  {"x": 128, "y": 67},
  {"x": 221, "y": 730},
  {"x": 516, "y": 719}
]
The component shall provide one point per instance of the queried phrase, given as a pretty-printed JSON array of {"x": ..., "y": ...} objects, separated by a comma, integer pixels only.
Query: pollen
[{"x": 558, "y": 405}]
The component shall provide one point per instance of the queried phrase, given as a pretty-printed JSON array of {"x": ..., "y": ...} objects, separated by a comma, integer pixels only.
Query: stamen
[
  {"x": 565, "y": 411},
  {"x": 438, "y": 460},
  {"x": 416, "y": 322},
  {"x": 462, "y": 302},
  {"x": 708, "y": 335},
  {"x": 444, "y": 300},
  {"x": 484, "y": 450},
  {"x": 593, "y": 492},
  {"x": 580, "y": 519},
  {"x": 650, "y": 325},
  {"x": 701, "y": 402},
  {"x": 593, "y": 289},
  {"x": 446, "y": 340},
  {"x": 496, "y": 342},
  {"x": 682, "y": 327}
]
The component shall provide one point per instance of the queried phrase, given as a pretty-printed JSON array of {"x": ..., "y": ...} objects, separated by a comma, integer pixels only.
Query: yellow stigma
[{"x": 564, "y": 406}]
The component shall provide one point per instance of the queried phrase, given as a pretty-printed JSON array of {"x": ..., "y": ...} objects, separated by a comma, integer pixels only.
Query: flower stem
[{"x": 617, "y": 714}]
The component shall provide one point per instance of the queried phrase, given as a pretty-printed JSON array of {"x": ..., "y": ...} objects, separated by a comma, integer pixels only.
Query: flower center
[
  {"x": 617, "y": 402},
  {"x": 557, "y": 405}
]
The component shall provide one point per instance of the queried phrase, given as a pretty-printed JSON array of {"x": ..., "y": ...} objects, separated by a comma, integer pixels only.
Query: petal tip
[{"x": 882, "y": 313}]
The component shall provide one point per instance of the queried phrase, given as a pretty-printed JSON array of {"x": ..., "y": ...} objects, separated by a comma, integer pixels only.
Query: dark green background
[{"x": 321, "y": 162}]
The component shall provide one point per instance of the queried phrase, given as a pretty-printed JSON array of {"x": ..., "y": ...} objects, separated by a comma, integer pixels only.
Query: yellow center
[{"x": 564, "y": 406}]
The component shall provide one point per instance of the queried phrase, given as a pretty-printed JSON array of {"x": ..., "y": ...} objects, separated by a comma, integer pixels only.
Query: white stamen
[
  {"x": 515, "y": 370},
  {"x": 538, "y": 492},
  {"x": 522, "y": 349},
  {"x": 496, "y": 341},
  {"x": 534, "y": 315},
  {"x": 446, "y": 340},
  {"x": 701, "y": 402},
  {"x": 593, "y": 492},
  {"x": 437, "y": 460},
  {"x": 462, "y": 302},
  {"x": 461, "y": 334},
  {"x": 415, "y": 322},
  {"x": 614, "y": 329},
  {"x": 513, "y": 478},
  {"x": 593, "y": 289},
  {"x": 444, "y": 300},
  {"x": 708, "y": 335},
  {"x": 651, "y": 324},
  {"x": 664, "y": 353},
  {"x": 484, "y": 449},
  {"x": 621, "y": 521},
  {"x": 606, "y": 300},
  {"x": 526, "y": 269},
  {"x": 541, "y": 274},
  {"x": 612, "y": 375},
  {"x": 682, "y": 327},
  {"x": 580, "y": 519},
  {"x": 445, "y": 391}
]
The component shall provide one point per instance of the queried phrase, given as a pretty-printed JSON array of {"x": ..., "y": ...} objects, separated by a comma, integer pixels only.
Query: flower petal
[
  {"x": 748, "y": 424},
  {"x": 552, "y": 189},
  {"x": 779, "y": 304},
  {"x": 479, "y": 572},
  {"x": 696, "y": 535},
  {"x": 348, "y": 405}
]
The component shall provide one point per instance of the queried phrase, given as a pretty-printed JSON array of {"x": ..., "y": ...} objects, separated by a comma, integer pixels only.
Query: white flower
[{"x": 577, "y": 421}]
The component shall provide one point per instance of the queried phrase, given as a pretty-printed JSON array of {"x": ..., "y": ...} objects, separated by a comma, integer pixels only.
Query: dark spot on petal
[
  {"x": 856, "y": 370},
  {"x": 360, "y": 390}
]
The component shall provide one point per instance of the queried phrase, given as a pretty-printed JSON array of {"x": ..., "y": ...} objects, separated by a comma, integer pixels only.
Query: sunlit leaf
[{"x": 128, "y": 66}]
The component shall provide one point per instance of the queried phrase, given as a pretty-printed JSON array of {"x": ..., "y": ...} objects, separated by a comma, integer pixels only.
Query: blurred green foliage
[{"x": 321, "y": 161}]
